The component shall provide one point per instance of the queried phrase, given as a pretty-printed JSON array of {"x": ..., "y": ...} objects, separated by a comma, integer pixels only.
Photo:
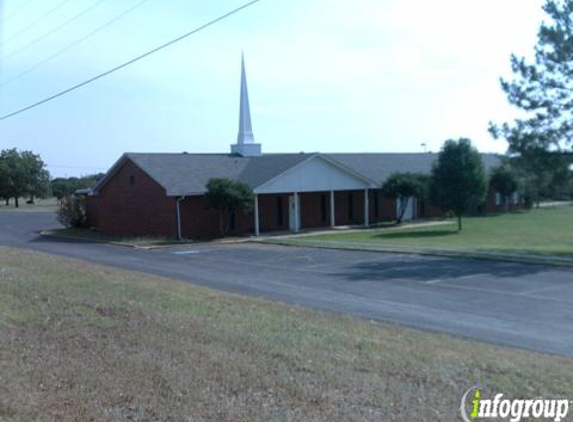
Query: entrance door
[
  {"x": 292, "y": 213},
  {"x": 410, "y": 212}
]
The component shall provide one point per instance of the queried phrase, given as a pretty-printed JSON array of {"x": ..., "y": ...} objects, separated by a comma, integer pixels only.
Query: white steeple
[{"x": 245, "y": 145}]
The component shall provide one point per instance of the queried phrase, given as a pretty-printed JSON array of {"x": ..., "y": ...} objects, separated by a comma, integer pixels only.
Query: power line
[
  {"x": 130, "y": 62},
  {"x": 37, "y": 21},
  {"x": 54, "y": 30},
  {"x": 72, "y": 45}
]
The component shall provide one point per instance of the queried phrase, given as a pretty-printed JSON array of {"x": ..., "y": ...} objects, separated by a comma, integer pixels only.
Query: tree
[
  {"x": 504, "y": 181},
  {"x": 543, "y": 176},
  {"x": 38, "y": 176},
  {"x": 542, "y": 88},
  {"x": 4, "y": 181},
  {"x": 458, "y": 182},
  {"x": 22, "y": 173},
  {"x": 228, "y": 196},
  {"x": 17, "y": 179},
  {"x": 62, "y": 187},
  {"x": 402, "y": 187}
]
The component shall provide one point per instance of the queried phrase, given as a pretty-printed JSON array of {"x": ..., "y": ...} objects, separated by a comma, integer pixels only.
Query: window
[
  {"x": 131, "y": 181},
  {"x": 350, "y": 206},
  {"x": 232, "y": 220},
  {"x": 323, "y": 215},
  {"x": 376, "y": 205},
  {"x": 280, "y": 216}
]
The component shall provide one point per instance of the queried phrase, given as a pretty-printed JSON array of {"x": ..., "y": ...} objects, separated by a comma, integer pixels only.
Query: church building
[{"x": 164, "y": 194}]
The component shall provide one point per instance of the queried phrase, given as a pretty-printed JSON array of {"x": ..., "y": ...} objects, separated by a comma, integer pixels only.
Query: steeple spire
[
  {"x": 245, "y": 145},
  {"x": 245, "y": 126}
]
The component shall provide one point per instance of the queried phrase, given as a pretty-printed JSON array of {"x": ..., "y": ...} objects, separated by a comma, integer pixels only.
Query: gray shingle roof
[
  {"x": 188, "y": 174},
  {"x": 379, "y": 166}
]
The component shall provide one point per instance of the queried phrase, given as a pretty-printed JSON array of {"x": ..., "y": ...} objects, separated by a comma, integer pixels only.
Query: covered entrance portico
[{"x": 321, "y": 193}]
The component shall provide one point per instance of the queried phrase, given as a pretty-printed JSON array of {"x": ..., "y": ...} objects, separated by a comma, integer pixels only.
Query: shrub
[{"x": 72, "y": 213}]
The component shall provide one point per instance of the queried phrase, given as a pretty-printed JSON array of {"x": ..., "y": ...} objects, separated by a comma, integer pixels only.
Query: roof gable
[{"x": 317, "y": 173}]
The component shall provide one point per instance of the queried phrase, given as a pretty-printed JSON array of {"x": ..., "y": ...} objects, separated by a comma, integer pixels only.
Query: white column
[
  {"x": 332, "y": 213},
  {"x": 366, "y": 210},
  {"x": 179, "y": 231},
  {"x": 256, "y": 209},
  {"x": 296, "y": 213}
]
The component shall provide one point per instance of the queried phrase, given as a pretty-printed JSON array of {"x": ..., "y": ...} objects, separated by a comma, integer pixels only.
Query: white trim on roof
[{"x": 315, "y": 174}]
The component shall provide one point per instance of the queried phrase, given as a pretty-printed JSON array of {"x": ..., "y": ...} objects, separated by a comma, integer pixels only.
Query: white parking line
[
  {"x": 191, "y": 251},
  {"x": 544, "y": 289},
  {"x": 434, "y": 281}
]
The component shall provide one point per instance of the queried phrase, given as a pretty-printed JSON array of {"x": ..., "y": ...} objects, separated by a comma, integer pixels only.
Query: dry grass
[{"x": 81, "y": 342}]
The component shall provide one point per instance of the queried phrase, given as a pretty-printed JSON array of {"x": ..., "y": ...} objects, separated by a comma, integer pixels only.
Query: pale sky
[{"x": 324, "y": 75}]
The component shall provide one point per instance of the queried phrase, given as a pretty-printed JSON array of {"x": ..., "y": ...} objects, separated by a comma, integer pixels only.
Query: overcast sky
[{"x": 324, "y": 75}]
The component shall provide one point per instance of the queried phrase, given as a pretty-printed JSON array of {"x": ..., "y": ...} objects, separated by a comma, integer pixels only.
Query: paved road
[{"x": 528, "y": 306}]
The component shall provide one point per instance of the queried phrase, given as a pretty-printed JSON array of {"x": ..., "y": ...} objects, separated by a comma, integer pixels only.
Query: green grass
[
  {"x": 85, "y": 342},
  {"x": 546, "y": 231},
  {"x": 48, "y": 204}
]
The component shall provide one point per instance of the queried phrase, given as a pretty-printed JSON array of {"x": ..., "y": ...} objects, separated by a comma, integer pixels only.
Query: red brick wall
[
  {"x": 144, "y": 209},
  {"x": 198, "y": 219},
  {"x": 141, "y": 210},
  {"x": 268, "y": 213},
  {"x": 342, "y": 205},
  {"x": 425, "y": 209},
  {"x": 311, "y": 209}
]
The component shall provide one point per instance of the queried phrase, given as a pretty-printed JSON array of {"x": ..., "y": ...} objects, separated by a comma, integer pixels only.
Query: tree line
[{"x": 23, "y": 174}]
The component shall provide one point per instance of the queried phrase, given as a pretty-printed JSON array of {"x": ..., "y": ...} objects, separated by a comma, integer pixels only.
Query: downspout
[{"x": 179, "y": 233}]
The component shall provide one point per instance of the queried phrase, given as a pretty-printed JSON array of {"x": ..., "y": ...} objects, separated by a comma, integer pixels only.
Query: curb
[
  {"x": 532, "y": 260},
  {"x": 47, "y": 233}
]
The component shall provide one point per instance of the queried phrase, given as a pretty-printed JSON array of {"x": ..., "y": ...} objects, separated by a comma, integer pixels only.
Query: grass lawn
[
  {"x": 48, "y": 204},
  {"x": 545, "y": 231},
  {"x": 86, "y": 342}
]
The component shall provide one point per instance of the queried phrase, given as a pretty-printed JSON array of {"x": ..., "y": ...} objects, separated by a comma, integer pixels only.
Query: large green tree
[
  {"x": 543, "y": 89},
  {"x": 22, "y": 173},
  {"x": 403, "y": 187},
  {"x": 458, "y": 182},
  {"x": 38, "y": 176},
  {"x": 228, "y": 196},
  {"x": 15, "y": 175}
]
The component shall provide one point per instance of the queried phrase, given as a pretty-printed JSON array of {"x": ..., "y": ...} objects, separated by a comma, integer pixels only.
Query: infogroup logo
[{"x": 475, "y": 407}]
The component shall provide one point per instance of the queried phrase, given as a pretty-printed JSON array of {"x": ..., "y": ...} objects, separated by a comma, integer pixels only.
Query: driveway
[{"x": 527, "y": 306}]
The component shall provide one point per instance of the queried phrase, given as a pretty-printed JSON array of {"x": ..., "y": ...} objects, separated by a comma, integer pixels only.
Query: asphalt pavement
[{"x": 521, "y": 305}]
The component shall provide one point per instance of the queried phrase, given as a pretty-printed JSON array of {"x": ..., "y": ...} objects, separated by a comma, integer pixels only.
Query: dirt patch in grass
[{"x": 85, "y": 342}]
